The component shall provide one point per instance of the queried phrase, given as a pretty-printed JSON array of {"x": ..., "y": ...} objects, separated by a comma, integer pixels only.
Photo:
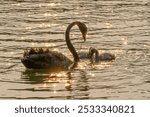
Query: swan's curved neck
[
  {"x": 93, "y": 51},
  {"x": 69, "y": 44}
]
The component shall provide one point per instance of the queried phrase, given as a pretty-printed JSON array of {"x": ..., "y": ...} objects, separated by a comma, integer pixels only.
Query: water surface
[{"x": 121, "y": 27}]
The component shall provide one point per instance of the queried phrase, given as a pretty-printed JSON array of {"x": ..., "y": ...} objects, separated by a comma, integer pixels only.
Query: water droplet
[
  {"x": 54, "y": 92},
  {"x": 125, "y": 42},
  {"x": 28, "y": 28},
  {"x": 56, "y": 49},
  {"x": 47, "y": 14},
  {"x": 108, "y": 25},
  {"x": 52, "y": 4},
  {"x": 59, "y": 75},
  {"x": 54, "y": 85},
  {"x": 44, "y": 85}
]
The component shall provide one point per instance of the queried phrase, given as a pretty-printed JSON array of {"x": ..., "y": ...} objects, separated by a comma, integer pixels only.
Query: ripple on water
[{"x": 119, "y": 27}]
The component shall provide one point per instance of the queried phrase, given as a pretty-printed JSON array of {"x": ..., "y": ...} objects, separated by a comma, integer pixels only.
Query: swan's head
[
  {"x": 92, "y": 52},
  {"x": 83, "y": 29}
]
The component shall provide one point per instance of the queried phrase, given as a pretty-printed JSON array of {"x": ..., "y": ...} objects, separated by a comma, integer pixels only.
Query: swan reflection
[{"x": 58, "y": 82}]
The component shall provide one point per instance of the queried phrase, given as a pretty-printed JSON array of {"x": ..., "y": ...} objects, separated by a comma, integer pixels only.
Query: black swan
[
  {"x": 99, "y": 58},
  {"x": 40, "y": 58}
]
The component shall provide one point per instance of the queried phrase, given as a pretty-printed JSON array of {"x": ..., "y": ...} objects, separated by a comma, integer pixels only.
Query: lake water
[{"x": 121, "y": 27}]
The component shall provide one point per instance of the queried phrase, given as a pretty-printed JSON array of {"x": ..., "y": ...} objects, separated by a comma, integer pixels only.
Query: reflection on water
[
  {"x": 115, "y": 26},
  {"x": 55, "y": 82}
]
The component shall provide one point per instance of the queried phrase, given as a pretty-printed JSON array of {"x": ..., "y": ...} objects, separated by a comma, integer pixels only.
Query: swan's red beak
[{"x": 84, "y": 36}]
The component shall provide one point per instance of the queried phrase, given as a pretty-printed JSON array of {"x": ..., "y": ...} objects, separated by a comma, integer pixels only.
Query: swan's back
[
  {"x": 106, "y": 57},
  {"x": 45, "y": 59}
]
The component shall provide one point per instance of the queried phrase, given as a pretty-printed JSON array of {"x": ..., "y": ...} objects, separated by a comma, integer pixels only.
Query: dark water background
[{"x": 121, "y": 27}]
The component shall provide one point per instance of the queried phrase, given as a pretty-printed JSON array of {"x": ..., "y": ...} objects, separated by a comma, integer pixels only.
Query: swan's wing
[
  {"x": 36, "y": 61},
  {"x": 46, "y": 60},
  {"x": 60, "y": 60}
]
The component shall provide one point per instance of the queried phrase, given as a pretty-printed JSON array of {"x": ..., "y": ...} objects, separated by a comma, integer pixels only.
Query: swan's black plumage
[
  {"x": 40, "y": 58},
  {"x": 44, "y": 60}
]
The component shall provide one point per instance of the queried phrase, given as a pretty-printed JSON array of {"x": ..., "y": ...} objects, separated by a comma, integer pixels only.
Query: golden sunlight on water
[
  {"x": 114, "y": 26},
  {"x": 125, "y": 41},
  {"x": 108, "y": 25}
]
